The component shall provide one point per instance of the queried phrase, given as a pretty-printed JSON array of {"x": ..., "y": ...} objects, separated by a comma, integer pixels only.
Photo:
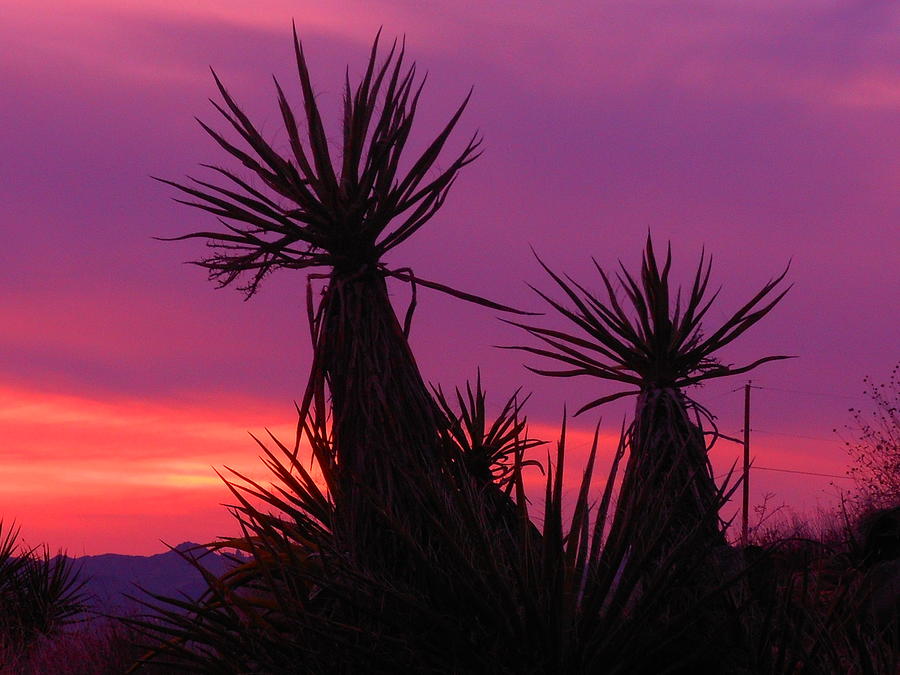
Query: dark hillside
[{"x": 112, "y": 577}]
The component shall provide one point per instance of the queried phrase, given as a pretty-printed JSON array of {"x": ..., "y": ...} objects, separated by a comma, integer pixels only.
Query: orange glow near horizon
[{"x": 95, "y": 476}]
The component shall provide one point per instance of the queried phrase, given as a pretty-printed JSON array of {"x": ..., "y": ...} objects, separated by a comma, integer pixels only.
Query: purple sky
[{"x": 765, "y": 131}]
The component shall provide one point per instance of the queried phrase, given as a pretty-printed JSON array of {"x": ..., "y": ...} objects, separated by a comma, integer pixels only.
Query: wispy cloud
[{"x": 816, "y": 52}]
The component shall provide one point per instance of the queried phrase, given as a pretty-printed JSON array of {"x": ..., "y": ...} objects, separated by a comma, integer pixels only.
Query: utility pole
[{"x": 746, "y": 507}]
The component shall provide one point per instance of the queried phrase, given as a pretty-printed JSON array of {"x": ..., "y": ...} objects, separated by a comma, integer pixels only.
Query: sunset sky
[{"x": 765, "y": 131}]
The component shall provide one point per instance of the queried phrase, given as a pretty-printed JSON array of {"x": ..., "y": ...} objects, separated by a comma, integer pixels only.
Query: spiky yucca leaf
[
  {"x": 652, "y": 340},
  {"x": 491, "y": 451},
  {"x": 9, "y": 562},
  {"x": 340, "y": 208}
]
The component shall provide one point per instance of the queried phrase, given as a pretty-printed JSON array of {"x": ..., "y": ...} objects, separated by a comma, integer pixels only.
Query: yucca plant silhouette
[
  {"x": 577, "y": 598},
  {"x": 342, "y": 212},
  {"x": 490, "y": 450},
  {"x": 40, "y": 593},
  {"x": 657, "y": 348},
  {"x": 550, "y": 598}
]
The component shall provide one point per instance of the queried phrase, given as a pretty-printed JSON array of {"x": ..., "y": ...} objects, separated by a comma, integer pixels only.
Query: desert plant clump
[
  {"x": 40, "y": 594},
  {"x": 548, "y": 598},
  {"x": 656, "y": 346},
  {"x": 823, "y": 592},
  {"x": 577, "y": 602}
]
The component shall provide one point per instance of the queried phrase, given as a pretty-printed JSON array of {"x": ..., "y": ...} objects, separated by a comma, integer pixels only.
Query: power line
[
  {"x": 805, "y": 473},
  {"x": 812, "y": 393},
  {"x": 713, "y": 397},
  {"x": 780, "y": 433}
]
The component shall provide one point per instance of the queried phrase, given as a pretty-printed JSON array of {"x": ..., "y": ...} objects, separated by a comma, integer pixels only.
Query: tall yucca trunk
[
  {"x": 667, "y": 447},
  {"x": 384, "y": 421},
  {"x": 388, "y": 432}
]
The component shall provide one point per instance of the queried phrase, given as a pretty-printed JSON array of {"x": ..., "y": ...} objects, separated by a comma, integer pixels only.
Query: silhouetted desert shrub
[
  {"x": 873, "y": 444},
  {"x": 40, "y": 595},
  {"x": 98, "y": 646}
]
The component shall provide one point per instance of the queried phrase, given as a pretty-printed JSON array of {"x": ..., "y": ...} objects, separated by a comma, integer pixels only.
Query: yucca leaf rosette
[
  {"x": 341, "y": 210},
  {"x": 657, "y": 346}
]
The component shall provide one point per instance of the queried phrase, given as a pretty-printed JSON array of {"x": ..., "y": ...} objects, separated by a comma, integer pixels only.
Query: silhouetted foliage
[
  {"x": 317, "y": 210},
  {"x": 658, "y": 346},
  {"x": 874, "y": 446},
  {"x": 559, "y": 598},
  {"x": 343, "y": 210},
  {"x": 39, "y": 593}
]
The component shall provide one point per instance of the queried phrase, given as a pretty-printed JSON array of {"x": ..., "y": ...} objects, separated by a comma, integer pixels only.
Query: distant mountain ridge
[{"x": 112, "y": 577}]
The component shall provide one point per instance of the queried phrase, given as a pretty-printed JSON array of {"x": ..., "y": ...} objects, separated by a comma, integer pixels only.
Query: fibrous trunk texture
[
  {"x": 385, "y": 424},
  {"x": 668, "y": 448}
]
